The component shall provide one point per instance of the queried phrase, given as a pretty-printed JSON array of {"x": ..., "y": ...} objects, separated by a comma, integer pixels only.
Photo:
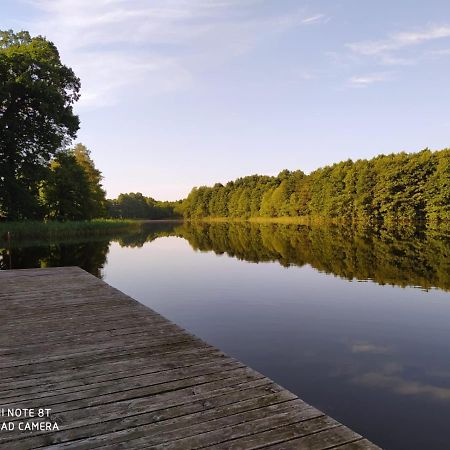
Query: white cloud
[
  {"x": 101, "y": 87},
  {"x": 389, "y": 60},
  {"x": 396, "y": 50},
  {"x": 317, "y": 18},
  {"x": 158, "y": 46},
  {"x": 366, "y": 80},
  {"x": 399, "y": 40}
]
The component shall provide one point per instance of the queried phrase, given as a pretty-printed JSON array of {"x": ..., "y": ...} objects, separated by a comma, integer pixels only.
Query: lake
[{"x": 354, "y": 321}]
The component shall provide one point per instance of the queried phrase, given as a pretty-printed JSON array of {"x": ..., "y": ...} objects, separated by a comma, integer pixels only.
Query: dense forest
[
  {"x": 137, "y": 206},
  {"x": 388, "y": 188}
]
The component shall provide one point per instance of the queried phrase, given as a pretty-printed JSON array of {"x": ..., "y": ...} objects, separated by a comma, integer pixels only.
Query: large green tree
[
  {"x": 72, "y": 189},
  {"x": 65, "y": 192},
  {"x": 37, "y": 93}
]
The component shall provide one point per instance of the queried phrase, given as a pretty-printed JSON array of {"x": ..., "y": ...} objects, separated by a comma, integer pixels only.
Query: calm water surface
[{"x": 356, "y": 323}]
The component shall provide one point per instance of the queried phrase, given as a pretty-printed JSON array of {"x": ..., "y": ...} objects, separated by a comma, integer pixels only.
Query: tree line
[
  {"x": 137, "y": 206},
  {"x": 388, "y": 188}
]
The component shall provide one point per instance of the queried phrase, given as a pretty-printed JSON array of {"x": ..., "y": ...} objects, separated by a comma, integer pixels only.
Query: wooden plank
[
  {"x": 63, "y": 350},
  {"x": 89, "y": 328},
  {"x": 108, "y": 372},
  {"x": 79, "y": 418},
  {"x": 231, "y": 428},
  {"x": 100, "y": 338},
  {"x": 118, "y": 430},
  {"x": 62, "y": 359},
  {"x": 357, "y": 445},
  {"x": 328, "y": 438},
  {"x": 112, "y": 356},
  {"x": 126, "y": 382},
  {"x": 119, "y": 375}
]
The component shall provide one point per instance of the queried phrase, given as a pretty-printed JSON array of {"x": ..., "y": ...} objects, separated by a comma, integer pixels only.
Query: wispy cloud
[
  {"x": 403, "y": 48},
  {"x": 367, "y": 80},
  {"x": 397, "y": 41},
  {"x": 315, "y": 19},
  {"x": 160, "y": 45}
]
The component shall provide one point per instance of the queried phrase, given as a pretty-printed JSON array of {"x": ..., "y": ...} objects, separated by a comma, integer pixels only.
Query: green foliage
[
  {"x": 437, "y": 190},
  {"x": 72, "y": 189},
  {"x": 65, "y": 192},
  {"x": 96, "y": 198},
  {"x": 240, "y": 198},
  {"x": 389, "y": 188},
  {"x": 37, "y": 93},
  {"x": 136, "y": 206}
]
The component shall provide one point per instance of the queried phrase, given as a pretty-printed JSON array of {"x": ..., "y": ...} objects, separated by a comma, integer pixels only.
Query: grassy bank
[{"x": 49, "y": 230}]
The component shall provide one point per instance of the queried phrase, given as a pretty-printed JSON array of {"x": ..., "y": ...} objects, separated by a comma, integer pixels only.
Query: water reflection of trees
[
  {"x": 147, "y": 233},
  {"x": 89, "y": 253},
  {"x": 407, "y": 256},
  {"x": 90, "y": 256},
  {"x": 400, "y": 256}
]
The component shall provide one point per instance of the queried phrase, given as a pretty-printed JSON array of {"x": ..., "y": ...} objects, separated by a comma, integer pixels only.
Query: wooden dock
[{"x": 117, "y": 375}]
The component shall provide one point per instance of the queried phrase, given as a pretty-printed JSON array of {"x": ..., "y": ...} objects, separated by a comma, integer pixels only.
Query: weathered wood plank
[
  {"x": 230, "y": 428},
  {"x": 67, "y": 349},
  {"x": 79, "y": 418},
  {"x": 89, "y": 353},
  {"x": 55, "y": 381},
  {"x": 112, "y": 356},
  {"x": 127, "y": 382},
  {"x": 358, "y": 445},
  {"x": 328, "y": 438},
  {"x": 118, "y": 430},
  {"x": 118, "y": 375}
]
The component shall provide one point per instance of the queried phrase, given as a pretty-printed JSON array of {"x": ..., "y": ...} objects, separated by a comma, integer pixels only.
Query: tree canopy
[
  {"x": 72, "y": 190},
  {"x": 96, "y": 198},
  {"x": 137, "y": 206},
  {"x": 37, "y": 93}
]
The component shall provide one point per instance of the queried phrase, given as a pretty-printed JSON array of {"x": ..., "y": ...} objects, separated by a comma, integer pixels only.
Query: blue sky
[{"x": 183, "y": 93}]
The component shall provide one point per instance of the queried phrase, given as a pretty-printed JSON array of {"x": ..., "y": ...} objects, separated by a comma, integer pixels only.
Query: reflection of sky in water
[{"x": 375, "y": 357}]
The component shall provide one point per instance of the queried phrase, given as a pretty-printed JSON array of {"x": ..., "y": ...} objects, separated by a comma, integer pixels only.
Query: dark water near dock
[{"x": 356, "y": 322}]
